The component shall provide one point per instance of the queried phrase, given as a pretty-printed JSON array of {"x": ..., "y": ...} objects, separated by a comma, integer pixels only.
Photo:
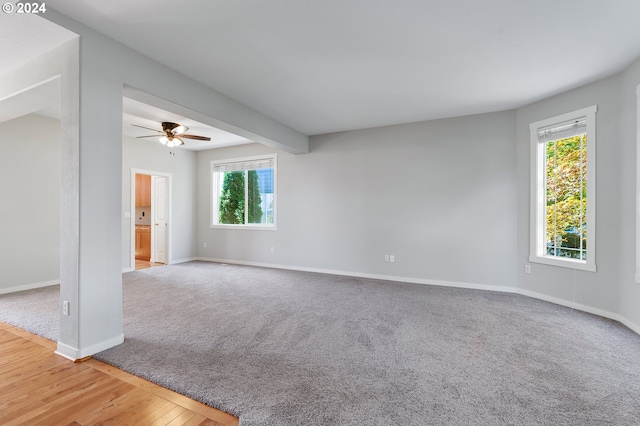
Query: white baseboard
[
  {"x": 503, "y": 289},
  {"x": 29, "y": 286},
  {"x": 102, "y": 346},
  {"x": 67, "y": 351},
  {"x": 365, "y": 275},
  {"x": 584, "y": 308},
  {"x": 626, "y": 322},
  {"x": 128, "y": 270},
  {"x": 569, "y": 304},
  {"x": 75, "y": 354},
  {"x": 190, "y": 259}
]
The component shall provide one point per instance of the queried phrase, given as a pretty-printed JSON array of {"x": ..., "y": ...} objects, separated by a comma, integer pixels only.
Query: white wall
[
  {"x": 439, "y": 195},
  {"x": 150, "y": 155},
  {"x": 30, "y": 208}
]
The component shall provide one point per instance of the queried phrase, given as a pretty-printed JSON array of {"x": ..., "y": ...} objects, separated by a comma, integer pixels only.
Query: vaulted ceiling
[{"x": 321, "y": 66}]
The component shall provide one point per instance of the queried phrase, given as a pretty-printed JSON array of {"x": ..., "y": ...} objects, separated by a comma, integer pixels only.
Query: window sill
[
  {"x": 564, "y": 263},
  {"x": 246, "y": 227}
]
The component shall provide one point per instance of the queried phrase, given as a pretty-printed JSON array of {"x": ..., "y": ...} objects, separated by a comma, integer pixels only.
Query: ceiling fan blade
[
  {"x": 196, "y": 137},
  {"x": 148, "y": 128},
  {"x": 150, "y": 136}
]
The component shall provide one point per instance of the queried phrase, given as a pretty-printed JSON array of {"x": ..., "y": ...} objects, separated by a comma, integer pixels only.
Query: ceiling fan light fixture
[
  {"x": 180, "y": 129},
  {"x": 172, "y": 134}
]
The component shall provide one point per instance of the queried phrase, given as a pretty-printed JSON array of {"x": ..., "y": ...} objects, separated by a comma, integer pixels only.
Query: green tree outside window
[{"x": 232, "y": 199}]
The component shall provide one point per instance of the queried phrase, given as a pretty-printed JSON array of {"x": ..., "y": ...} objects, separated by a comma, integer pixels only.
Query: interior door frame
[
  {"x": 132, "y": 231},
  {"x": 154, "y": 218}
]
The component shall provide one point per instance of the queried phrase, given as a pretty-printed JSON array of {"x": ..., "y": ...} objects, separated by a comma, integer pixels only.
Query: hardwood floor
[
  {"x": 144, "y": 264},
  {"x": 40, "y": 387}
]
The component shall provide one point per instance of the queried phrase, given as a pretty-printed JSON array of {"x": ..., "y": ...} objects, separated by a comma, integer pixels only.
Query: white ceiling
[
  {"x": 25, "y": 37},
  {"x": 141, "y": 114},
  {"x": 43, "y": 99},
  {"x": 321, "y": 66},
  {"x": 327, "y": 65}
]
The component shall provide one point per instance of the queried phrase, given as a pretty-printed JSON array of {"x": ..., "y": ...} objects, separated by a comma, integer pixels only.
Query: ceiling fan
[{"x": 172, "y": 134}]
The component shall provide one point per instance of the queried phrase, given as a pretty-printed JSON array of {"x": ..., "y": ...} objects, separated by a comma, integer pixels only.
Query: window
[
  {"x": 244, "y": 193},
  {"x": 563, "y": 190}
]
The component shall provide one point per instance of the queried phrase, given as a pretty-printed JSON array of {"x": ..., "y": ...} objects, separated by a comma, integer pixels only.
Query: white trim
[
  {"x": 102, "y": 346},
  {"x": 252, "y": 227},
  {"x": 74, "y": 354},
  {"x": 577, "y": 306},
  {"x": 124, "y": 270},
  {"x": 244, "y": 159},
  {"x": 213, "y": 205},
  {"x": 569, "y": 304},
  {"x": 29, "y": 286},
  {"x": 633, "y": 326},
  {"x": 537, "y": 245},
  {"x": 67, "y": 351},
  {"x": 189, "y": 259},
  {"x": 132, "y": 209},
  {"x": 565, "y": 263},
  {"x": 583, "y": 308},
  {"x": 410, "y": 280}
]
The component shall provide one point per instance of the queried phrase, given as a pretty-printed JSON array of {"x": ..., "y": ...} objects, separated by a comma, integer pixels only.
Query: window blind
[
  {"x": 263, "y": 163},
  {"x": 563, "y": 130}
]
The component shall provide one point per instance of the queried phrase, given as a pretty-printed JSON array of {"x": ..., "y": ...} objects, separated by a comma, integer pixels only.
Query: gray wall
[
  {"x": 30, "y": 207},
  {"x": 439, "y": 195},
  {"x": 150, "y": 155},
  {"x": 458, "y": 225},
  {"x": 628, "y": 188},
  {"x": 597, "y": 290},
  {"x": 91, "y": 261},
  {"x": 62, "y": 62}
]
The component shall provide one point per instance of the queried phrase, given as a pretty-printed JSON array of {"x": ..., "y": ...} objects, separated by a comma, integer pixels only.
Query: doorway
[{"x": 150, "y": 236}]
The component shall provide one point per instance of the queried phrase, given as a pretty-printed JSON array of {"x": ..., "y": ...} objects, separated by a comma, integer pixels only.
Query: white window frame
[
  {"x": 215, "y": 204},
  {"x": 538, "y": 249}
]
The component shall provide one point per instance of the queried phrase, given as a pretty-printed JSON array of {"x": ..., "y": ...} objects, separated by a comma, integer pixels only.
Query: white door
[{"x": 159, "y": 205}]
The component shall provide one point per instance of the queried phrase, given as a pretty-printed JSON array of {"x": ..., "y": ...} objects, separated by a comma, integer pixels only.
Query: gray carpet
[
  {"x": 290, "y": 348},
  {"x": 33, "y": 310}
]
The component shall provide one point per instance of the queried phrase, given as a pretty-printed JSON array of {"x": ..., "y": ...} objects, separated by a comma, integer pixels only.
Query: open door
[
  {"x": 159, "y": 208},
  {"x": 156, "y": 220}
]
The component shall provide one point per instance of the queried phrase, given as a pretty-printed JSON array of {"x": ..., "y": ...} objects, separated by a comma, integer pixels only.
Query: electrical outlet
[
  {"x": 272, "y": 249},
  {"x": 65, "y": 307},
  {"x": 527, "y": 269},
  {"x": 204, "y": 245},
  {"x": 392, "y": 258},
  {"x": 386, "y": 257}
]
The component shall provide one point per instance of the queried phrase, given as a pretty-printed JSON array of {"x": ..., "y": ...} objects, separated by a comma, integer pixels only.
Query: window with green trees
[
  {"x": 563, "y": 190},
  {"x": 566, "y": 203},
  {"x": 244, "y": 192}
]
